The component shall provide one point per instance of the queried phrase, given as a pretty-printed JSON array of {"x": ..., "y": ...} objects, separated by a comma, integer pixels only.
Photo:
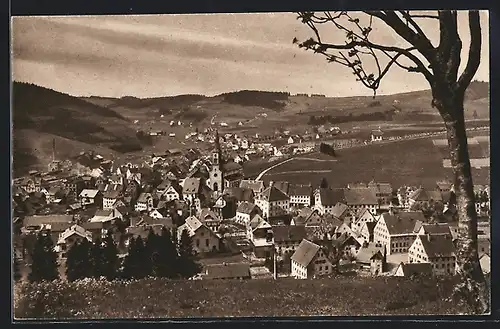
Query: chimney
[{"x": 429, "y": 238}]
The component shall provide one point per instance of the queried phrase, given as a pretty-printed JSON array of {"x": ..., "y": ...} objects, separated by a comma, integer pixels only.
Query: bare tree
[{"x": 439, "y": 64}]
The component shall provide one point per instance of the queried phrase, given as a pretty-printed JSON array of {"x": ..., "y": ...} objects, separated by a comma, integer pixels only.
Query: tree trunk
[{"x": 472, "y": 287}]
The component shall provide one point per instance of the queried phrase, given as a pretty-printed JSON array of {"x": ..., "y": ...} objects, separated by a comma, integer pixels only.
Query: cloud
[{"x": 170, "y": 54}]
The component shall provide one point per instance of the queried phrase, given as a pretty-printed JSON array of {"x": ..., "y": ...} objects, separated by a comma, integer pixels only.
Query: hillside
[
  {"x": 41, "y": 114},
  {"x": 159, "y": 298}
]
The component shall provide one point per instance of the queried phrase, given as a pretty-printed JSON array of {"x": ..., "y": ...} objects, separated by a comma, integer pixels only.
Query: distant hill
[{"x": 44, "y": 114}]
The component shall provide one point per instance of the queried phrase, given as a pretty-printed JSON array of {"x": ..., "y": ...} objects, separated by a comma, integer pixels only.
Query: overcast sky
[{"x": 148, "y": 56}]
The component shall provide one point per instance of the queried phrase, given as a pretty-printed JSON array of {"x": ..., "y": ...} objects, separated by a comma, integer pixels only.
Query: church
[{"x": 223, "y": 173}]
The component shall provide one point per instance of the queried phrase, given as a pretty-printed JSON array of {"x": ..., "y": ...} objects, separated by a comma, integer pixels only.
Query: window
[
  {"x": 207, "y": 242},
  {"x": 197, "y": 242}
]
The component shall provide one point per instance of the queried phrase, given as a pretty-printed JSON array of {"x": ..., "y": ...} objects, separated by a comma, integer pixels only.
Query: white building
[
  {"x": 273, "y": 202},
  {"x": 300, "y": 195},
  {"x": 310, "y": 260},
  {"x": 144, "y": 202},
  {"x": 438, "y": 250}
]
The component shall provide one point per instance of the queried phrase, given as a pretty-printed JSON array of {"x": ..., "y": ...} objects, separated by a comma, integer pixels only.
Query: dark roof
[
  {"x": 385, "y": 188},
  {"x": 438, "y": 245},
  {"x": 339, "y": 210},
  {"x": 330, "y": 197},
  {"x": 93, "y": 225},
  {"x": 360, "y": 196},
  {"x": 370, "y": 226},
  {"x": 231, "y": 166},
  {"x": 255, "y": 186},
  {"x": 424, "y": 195},
  {"x": 282, "y": 186},
  {"x": 403, "y": 222},
  {"x": 246, "y": 207},
  {"x": 143, "y": 197},
  {"x": 410, "y": 269},
  {"x": 48, "y": 219},
  {"x": 305, "y": 252},
  {"x": 366, "y": 253},
  {"x": 272, "y": 194},
  {"x": 436, "y": 228},
  {"x": 240, "y": 194},
  {"x": 191, "y": 185},
  {"x": 287, "y": 233},
  {"x": 112, "y": 194},
  {"x": 377, "y": 133},
  {"x": 300, "y": 190},
  {"x": 228, "y": 271}
]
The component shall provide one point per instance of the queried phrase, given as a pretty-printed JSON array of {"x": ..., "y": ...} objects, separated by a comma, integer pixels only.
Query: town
[{"x": 222, "y": 223}]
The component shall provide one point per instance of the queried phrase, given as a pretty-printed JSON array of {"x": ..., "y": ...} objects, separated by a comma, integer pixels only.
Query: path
[{"x": 272, "y": 167}]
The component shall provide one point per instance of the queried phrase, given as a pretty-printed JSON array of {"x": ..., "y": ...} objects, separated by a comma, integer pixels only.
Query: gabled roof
[
  {"x": 377, "y": 132},
  {"x": 384, "y": 188},
  {"x": 191, "y": 186},
  {"x": 255, "y": 186},
  {"x": 360, "y": 196},
  {"x": 300, "y": 190},
  {"x": 403, "y": 222},
  {"x": 330, "y": 197},
  {"x": 206, "y": 214},
  {"x": 193, "y": 223},
  {"x": 143, "y": 197},
  {"x": 437, "y": 228},
  {"x": 340, "y": 210},
  {"x": 289, "y": 233},
  {"x": 366, "y": 253},
  {"x": 272, "y": 194},
  {"x": 164, "y": 184},
  {"x": 88, "y": 193},
  {"x": 410, "y": 269},
  {"x": 240, "y": 194},
  {"x": 258, "y": 222},
  {"x": 112, "y": 194},
  {"x": 283, "y": 186},
  {"x": 438, "y": 245},
  {"x": 75, "y": 229},
  {"x": 305, "y": 252},
  {"x": 370, "y": 226},
  {"x": 424, "y": 195},
  {"x": 246, "y": 208}
]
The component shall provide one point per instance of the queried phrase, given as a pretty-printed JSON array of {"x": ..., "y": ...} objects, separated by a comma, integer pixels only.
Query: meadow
[{"x": 160, "y": 298}]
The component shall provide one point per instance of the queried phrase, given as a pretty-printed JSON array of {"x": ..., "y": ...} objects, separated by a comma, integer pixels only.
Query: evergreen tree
[
  {"x": 167, "y": 254},
  {"x": 97, "y": 258},
  {"x": 44, "y": 259},
  {"x": 187, "y": 265},
  {"x": 151, "y": 256},
  {"x": 110, "y": 257},
  {"x": 134, "y": 267},
  {"x": 324, "y": 183},
  {"x": 79, "y": 263}
]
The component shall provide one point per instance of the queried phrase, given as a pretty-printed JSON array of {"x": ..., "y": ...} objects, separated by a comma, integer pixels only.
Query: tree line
[
  {"x": 374, "y": 116},
  {"x": 159, "y": 255}
]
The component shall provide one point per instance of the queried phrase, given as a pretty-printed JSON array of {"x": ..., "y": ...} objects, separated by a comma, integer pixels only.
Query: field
[
  {"x": 158, "y": 298},
  {"x": 411, "y": 162}
]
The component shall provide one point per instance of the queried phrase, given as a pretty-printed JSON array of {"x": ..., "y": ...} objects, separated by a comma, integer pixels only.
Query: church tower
[{"x": 216, "y": 174}]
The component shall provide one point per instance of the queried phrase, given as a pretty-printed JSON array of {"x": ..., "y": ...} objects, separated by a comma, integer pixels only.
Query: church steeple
[{"x": 217, "y": 153}]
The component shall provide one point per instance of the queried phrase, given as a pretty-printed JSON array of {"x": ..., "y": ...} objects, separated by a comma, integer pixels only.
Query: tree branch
[
  {"x": 423, "y": 44},
  {"x": 474, "y": 52}
]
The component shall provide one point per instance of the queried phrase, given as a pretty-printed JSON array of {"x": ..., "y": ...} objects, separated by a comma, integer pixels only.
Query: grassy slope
[
  {"x": 41, "y": 114},
  {"x": 412, "y": 162},
  {"x": 153, "y": 298}
]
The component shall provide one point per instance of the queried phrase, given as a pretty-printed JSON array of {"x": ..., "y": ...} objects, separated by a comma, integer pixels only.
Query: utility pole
[{"x": 274, "y": 264}]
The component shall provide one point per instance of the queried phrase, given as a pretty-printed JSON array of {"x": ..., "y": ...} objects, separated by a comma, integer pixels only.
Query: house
[
  {"x": 383, "y": 193},
  {"x": 32, "y": 184},
  {"x": 371, "y": 257},
  {"x": 310, "y": 260},
  {"x": 191, "y": 189},
  {"x": 290, "y": 140},
  {"x": 210, "y": 219},
  {"x": 376, "y": 135},
  {"x": 72, "y": 235},
  {"x": 347, "y": 244},
  {"x": 444, "y": 186},
  {"x": 403, "y": 195},
  {"x": 485, "y": 262},
  {"x": 162, "y": 188},
  {"x": 241, "y": 194},
  {"x": 273, "y": 202},
  {"x": 413, "y": 269},
  {"x": 55, "y": 194},
  {"x": 300, "y": 195},
  {"x": 106, "y": 215},
  {"x": 204, "y": 239},
  {"x": 396, "y": 231},
  {"x": 287, "y": 238},
  {"x": 283, "y": 186},
  {"x": 438, "y": 250},
  {"x": 256, "y": 186},
  {"x": 260, "y": 234},
  {"x": 90, "y": 197},
  {"x": 97, "y": 229},
  {"x": 362, "y": 216},
  {"x": 342, "y": 212},
  {"x": 245, "y": 212},
  {"x": 144, "y": 202},
  {"x": 233, "y": 271},
  {"x": 366, "y": 231},
  {"x": 357, "y": 198},
  {"x": 110, "y": 198},
  {"x": 325, "y": 199},
  {"x": 134, "y": 174},
  {"x": 422, "y": 197},
  {"x": 433, "y": 229}
]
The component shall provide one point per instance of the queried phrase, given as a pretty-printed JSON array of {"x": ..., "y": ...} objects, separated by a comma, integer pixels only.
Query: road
[{"x": 404, "y": 138}]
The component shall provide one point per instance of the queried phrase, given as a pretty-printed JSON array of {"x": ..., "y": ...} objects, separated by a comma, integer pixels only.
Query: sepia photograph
[{"x": 286, "y": 164}]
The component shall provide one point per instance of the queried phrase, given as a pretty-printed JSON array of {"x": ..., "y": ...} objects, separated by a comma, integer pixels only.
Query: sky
[{"x": 162, "y": 55}]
